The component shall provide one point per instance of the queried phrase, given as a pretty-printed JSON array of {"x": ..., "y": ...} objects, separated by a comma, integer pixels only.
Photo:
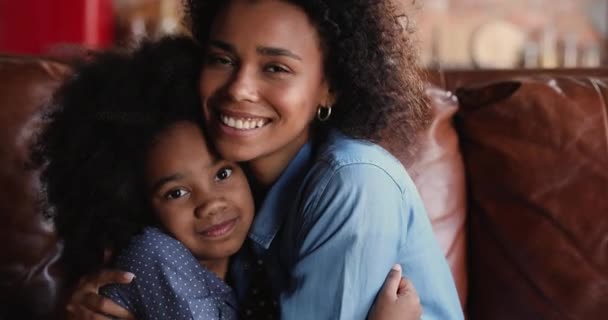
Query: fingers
[
  {"x": 406, "y": 287},
  {"x": 392, "y": 282},
  {"x": 404, "y": 284},
  {"x": 113, "y": 276},
  {"x": 86, "y": 303},
  {"x": 397, "y": 299},
  {"x": 77, "y": 312},
  {"x": 96, "y": 307},
  {"x": 103, "y": 305},
  {"x": 408, "y": 297}
]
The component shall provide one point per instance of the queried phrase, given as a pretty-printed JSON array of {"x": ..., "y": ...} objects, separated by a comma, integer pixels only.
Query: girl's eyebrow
[
  {"x": 162, "y": 181},
  {"x": 266, "y": 51}
]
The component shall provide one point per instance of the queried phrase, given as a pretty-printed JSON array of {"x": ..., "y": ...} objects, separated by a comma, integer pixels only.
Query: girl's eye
[
  {"x": 276, "y": 69},
  {"x": 223, "y": 174},
  {"x": 176, "y": 193}
]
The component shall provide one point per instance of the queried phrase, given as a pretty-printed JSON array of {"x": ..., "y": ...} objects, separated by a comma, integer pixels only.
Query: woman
[{"x": 296, "y": 90}]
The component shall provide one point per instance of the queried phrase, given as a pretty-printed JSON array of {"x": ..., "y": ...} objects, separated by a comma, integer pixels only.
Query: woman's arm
[{"x": 397, "y": 300}]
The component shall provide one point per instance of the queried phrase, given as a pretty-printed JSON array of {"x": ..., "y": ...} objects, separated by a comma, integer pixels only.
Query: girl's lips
[{"x": 220, "y": 229}]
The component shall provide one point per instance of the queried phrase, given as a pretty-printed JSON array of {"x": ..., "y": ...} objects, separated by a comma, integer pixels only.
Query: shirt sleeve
[
  {"x": 157, "y": 291},
  {"x": 353, "y": 229}
]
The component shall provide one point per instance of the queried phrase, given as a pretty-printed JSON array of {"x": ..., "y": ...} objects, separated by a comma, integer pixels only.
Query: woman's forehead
[{"x": 265, "y": 23}]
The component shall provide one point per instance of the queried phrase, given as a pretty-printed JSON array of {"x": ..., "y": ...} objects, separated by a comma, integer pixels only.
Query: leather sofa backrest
[
  {"x": 535, "y": 148},
  {"x": 29, "y": 283}
]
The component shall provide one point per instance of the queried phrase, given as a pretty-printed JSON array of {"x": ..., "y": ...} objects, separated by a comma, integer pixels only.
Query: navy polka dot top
[{"x": 169, "y": 282}]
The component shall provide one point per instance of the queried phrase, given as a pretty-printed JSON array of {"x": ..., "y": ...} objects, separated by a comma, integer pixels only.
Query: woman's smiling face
[{"x": 263, "y": 80}]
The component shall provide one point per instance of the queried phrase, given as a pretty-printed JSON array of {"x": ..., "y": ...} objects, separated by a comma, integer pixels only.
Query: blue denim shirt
[{"x": 331, "y": 227}]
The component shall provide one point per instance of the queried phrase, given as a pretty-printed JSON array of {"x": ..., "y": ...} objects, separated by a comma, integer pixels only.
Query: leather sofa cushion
[{"x": 536, "y": 158}]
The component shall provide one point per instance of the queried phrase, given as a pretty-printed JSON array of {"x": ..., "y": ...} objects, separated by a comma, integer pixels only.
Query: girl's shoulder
[{"x": 153, "y": 246}]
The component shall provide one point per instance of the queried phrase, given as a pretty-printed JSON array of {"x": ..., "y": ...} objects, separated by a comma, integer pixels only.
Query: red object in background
[{"x": 38, "y": 26}]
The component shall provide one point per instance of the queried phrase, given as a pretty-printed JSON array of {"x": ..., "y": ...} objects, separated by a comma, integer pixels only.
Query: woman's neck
[
  {"x": 217, "y": 266},
  {"x": 267, "y": 168}
]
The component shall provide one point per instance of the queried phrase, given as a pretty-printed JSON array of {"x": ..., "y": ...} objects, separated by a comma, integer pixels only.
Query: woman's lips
[
  {"x": 238, "y": 123},
  {"x": 220, "y": 229}
]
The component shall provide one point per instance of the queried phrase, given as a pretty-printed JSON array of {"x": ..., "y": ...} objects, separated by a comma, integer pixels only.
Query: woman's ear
[{"x": 329, "y": 97}]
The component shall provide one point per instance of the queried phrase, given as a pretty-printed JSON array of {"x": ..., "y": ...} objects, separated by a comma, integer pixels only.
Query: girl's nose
[{"x": 211, "y": 208}]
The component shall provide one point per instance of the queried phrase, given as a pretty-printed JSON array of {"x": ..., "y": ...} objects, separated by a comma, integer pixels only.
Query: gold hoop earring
[{"x": 320, "y": 113}]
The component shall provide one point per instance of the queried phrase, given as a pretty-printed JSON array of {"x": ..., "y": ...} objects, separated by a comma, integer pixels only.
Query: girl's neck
[{"x": 217, "y": 266}]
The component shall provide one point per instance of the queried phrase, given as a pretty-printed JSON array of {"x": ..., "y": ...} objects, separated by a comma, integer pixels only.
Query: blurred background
[{"x": 453, "y": 34}]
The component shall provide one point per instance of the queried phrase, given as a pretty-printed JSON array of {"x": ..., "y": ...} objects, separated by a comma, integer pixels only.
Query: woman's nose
[{"x": 243, "y": 85}]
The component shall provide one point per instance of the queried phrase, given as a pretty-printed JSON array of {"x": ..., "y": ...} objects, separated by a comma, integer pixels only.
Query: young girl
[
  {"x": 298, "y": 91},
  {"x": 128, "y": 170}
]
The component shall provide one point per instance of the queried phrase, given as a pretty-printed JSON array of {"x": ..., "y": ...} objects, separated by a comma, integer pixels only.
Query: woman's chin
[{"x": 237, "y": 153}]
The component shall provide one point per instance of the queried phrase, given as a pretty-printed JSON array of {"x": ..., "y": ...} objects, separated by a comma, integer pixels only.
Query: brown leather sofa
[{"x": 513, "y": 172}]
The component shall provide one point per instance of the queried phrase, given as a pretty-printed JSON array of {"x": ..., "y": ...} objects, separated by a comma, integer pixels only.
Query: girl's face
[
  {"x": 262, "y": 81},
  {"x": 201, "y": 200}
]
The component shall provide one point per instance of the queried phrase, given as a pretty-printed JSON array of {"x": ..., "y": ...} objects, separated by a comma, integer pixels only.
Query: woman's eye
[
  {"x": 276, "y": 69},
  {"x": 176, "y": 193},
  {"x": 223, "y": 174},
  {"x": 219, "y": 60}
]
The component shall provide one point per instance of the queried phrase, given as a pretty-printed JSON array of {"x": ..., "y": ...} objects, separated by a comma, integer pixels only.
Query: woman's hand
[
  {"x": 397, "y": 300},
  {"x": 86, "y": 303}
]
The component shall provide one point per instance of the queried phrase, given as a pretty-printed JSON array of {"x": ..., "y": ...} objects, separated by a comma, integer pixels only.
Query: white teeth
[{"x": 243, "y": 123}]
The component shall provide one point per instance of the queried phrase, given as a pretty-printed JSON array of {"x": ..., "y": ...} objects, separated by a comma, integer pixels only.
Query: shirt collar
[{"x": 280, "y": 198}]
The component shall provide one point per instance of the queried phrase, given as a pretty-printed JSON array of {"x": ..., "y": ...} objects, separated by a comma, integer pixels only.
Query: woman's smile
[{"x": 240, "y": 121}]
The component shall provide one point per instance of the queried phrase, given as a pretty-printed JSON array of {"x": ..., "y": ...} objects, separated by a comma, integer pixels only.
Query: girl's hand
[
  {"x": 86, "y": 303},
  {"x": 397, "y": 299}
]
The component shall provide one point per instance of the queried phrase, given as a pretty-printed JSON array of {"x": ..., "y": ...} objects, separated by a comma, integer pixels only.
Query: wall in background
[
  {"x": 513, "y": 33},
  {"x": 43, "y": 26}
]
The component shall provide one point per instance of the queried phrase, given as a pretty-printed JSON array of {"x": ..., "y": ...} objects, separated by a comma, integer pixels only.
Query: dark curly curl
[
  {"x": 93, "y": 148},
  {"x": 370, "y": 60}
]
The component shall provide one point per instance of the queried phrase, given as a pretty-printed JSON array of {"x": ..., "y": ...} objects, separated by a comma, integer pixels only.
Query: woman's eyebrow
[
  {"x": 222, "y": 45},
  {"x": 266, "y": 51},
  {"x": 272, "y": 51}
]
